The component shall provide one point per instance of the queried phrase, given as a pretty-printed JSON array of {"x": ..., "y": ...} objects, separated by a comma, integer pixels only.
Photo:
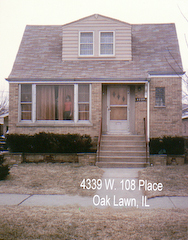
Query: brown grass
[
  {"x": 173, "y": 178},
  {"x": 49, "y": 178},
  {"x": 89, "y": 223}
]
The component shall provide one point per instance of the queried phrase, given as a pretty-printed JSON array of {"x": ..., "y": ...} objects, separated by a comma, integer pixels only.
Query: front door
[{"x": 118, "y": 109}]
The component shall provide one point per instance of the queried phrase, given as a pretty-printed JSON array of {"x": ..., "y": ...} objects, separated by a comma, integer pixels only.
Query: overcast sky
[{"x": 16, "y": 14}]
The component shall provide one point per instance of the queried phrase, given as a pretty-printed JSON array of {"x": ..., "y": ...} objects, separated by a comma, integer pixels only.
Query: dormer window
[
  {"x": 86, "y": 44},
  {"x": 106, "y": 43}
]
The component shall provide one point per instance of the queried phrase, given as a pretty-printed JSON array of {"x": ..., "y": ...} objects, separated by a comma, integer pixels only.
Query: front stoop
[{"x": 122, "y": 151}]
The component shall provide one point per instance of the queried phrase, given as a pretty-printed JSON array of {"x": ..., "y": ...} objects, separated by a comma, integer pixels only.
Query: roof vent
[{"x": 96, "y": 16}]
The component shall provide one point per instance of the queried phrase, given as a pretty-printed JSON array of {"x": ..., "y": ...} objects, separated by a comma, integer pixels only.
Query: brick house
[{"x": 65, "y": 79}]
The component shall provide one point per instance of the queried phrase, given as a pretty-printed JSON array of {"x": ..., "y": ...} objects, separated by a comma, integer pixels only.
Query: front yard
[
  {"x": 88, "y": 223},
  {"x": 49, "y": 178},
  {"x": 173, "y": 178},
  {"x": 74, "y": 222},
  {"x": 59, "y": 178}
]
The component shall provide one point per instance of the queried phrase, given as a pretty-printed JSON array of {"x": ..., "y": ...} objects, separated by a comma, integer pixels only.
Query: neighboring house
[
  {"x": 66, "y": 78},
  {"x": 3, "y": 124},
  {"x": 185, "y": 119}
]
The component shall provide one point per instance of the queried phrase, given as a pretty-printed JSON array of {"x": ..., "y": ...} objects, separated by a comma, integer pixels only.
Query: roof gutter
[{"x": 78, "y": 80}]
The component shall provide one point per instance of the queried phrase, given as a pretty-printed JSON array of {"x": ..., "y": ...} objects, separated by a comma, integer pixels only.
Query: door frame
[{"x": 126, "y": 130}]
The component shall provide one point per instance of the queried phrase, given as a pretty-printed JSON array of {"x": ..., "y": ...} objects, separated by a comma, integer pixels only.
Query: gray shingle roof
[{"x": 155, "y": 49}]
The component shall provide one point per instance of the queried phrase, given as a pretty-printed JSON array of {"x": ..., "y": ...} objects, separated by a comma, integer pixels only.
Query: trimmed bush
[
  {"x": 4, "y": 170},
  {"x": 167, "y": 145},
  {"x": 49, "y": 143}
]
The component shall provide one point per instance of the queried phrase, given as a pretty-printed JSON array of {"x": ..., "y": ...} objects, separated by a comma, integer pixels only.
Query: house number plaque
[{"x": 140, "y": 99}]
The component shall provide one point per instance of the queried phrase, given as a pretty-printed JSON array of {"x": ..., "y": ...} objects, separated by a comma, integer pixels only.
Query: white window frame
[
  {"x": 47, "y": 122},
  {"x": 20, "y": 103},
  {"x": 83, "y": 121},
  {"x": 106, "y": 55},
  {"x": 161, "y": 105},
  {"x": 87, "y": 55}
]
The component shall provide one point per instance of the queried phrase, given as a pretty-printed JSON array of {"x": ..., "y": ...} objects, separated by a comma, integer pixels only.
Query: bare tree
[
  {"x": 185, "y": 77},
  {"x": 4, "y": 103}
]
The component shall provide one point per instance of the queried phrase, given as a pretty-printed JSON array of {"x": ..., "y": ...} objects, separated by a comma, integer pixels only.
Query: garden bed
[
  {"x": 163, "y": 159},
  {"x": 82, "y": 158}
]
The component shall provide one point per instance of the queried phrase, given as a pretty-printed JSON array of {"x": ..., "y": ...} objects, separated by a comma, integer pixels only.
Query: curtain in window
[
  {"x": 26, "y": 101},
  {"x": 86, "y": 43},
  {"x": 160, "y": 96},
  {"x": 106, "y": 41},
  {"x": 65, "y": 102},
  {"x": 83, "y": 102},
  {"x": 45, "y": 102},
  {"x": 26, "y": 111}
]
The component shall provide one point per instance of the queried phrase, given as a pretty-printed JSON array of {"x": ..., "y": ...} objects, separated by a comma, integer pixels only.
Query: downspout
[{"x": 148, "y": 111}]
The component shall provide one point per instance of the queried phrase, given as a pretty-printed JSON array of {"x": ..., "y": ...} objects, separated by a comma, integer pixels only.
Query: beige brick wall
[
  {"x": 13, "y": 107},
  {"x": 166, "y": 121},
  {"x": 92, "y": 129},
  {"x": 163, "y": 120},
  {"x": 140, "y": 110}
]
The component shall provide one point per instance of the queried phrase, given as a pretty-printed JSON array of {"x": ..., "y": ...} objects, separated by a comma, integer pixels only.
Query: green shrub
[
  {"x": 4, "y": 171},
  {"x": 49, "y": 143},
  {"x": 168, "y": 145}
]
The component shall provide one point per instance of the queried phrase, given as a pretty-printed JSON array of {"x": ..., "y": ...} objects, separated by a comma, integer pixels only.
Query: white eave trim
[
  {"x": 73, "y": 81},
  {"x": 185, "y": 116},
  {"x": 166, "y": 75}
]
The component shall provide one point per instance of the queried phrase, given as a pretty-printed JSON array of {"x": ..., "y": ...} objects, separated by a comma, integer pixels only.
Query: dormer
[{"x": 96, "y": 38}]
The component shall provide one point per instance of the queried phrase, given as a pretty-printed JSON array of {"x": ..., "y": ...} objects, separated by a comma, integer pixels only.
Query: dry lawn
[
  {"x": 49, "y": 178},
  {"x": 173, "y": 178},
  {"x": 89, "y": 223}
]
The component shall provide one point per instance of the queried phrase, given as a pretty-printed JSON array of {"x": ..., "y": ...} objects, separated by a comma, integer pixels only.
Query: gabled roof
[
  {"x": 95, "y": 16},
  {"x": 155, "y": 49}
]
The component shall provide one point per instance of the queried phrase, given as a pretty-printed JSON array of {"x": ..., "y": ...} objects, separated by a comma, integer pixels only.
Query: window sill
[
  {"x": 160, "y": 107},
  {"x": 97, "y": 57},
  {"x": 54, "y": 124}
]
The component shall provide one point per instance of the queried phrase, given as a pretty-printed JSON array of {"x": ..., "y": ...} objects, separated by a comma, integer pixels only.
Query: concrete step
[
  {"x": 122, "y": 153},
  {"x": 121, "y": 164},
  {"x": 123, "y": 137},
  {"x": 2, "y": 144},
  {"x": 122, "y": 143},
  {"x": 122, "y": 158},
  {"x": 122, "y": 148}
]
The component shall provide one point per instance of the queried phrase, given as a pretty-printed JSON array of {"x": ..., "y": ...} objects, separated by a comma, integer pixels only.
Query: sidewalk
[{"x": 111, "y": 195}]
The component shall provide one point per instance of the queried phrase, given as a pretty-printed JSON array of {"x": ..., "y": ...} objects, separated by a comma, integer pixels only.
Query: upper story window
[
  {"x": 86, "y": 43},
  {"x": 106, "y": 43},
  {"x": 160, "y": 97}
]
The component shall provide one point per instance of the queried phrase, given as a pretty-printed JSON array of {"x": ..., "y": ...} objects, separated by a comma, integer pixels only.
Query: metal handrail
[
  {"x": 146, "y": 138},
  {"x": 99, "y": 140}
]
